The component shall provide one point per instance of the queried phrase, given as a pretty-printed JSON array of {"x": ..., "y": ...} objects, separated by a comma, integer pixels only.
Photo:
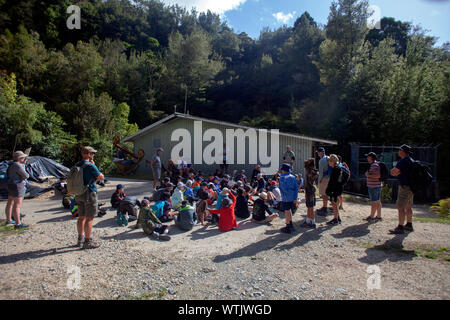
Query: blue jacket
[{"x": 288, "y": 187}]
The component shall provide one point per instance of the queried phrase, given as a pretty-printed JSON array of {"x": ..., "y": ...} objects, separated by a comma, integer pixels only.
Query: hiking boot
[
  {"x": 11, "y": 223},
  {"x": 398, "y": 230},
  {"x": 408, "y": 227},
  {"x": 90, "y": 244},
  {"x": 21, "y": 226},
  {"x": 333, "y": 222},
  {"x": 286, "y": 230},
  {"x": 369, "y": 219},
  {"x": 164, "y": 237},
  {"x": 80, "y": 241}
]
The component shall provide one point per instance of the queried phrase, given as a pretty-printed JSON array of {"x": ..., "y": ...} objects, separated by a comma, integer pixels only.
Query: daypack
[
  {"x": 75, "y": 181},
  {"x": 384, "y": 172},
  {"x": 419, "y": 176},
  {"x": 344, "y": 175}
]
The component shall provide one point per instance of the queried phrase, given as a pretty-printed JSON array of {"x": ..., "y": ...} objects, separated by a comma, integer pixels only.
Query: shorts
[
  {"x": 405, "y": 197},
  {"x": 323, "y": 186},
  {"x": 374, "y": 194},
  {"x": 16, "y": 190},
  {"x": 310, "y": 200},
  {"x": 87, "y": 204},
  {"x": 156, "y": 173},
  {"x": 285, "y": 206}
]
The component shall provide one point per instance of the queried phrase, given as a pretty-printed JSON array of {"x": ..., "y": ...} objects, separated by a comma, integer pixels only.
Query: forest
[{"x": 131, "y": 62}]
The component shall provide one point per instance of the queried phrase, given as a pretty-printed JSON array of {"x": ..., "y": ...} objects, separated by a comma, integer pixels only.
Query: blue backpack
[{"x": 344, "y": 176}]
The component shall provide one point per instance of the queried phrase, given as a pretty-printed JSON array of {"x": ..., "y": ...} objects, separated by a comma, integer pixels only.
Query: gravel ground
[{"x": 253, "y": 262}]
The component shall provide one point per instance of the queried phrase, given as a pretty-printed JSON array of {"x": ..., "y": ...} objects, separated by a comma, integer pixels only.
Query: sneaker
[
  {"x": 369, "y": 219},
  {"x": 80, "y": 241},
  {"x": 398, "y": 230},
  {"x": 164, "y": 237},
  {"x": 10, "y": 223},
  {"x": 155, "y": 235},
  {"x": 90, "y": 244},
  {"x": 408, "y": 227},
  {"x": 286, "y": 230},
  {"x": 333, "y": 222},
  {"x": 21, "y": 226},
  {"x": 308, "y": 225}
]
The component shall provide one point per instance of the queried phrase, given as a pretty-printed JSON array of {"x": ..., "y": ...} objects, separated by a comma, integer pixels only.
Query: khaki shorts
[
  {"x": 405, "y": 197},
  {"x": 323, "y": 186},
  {"x": 87, "y": 204}
]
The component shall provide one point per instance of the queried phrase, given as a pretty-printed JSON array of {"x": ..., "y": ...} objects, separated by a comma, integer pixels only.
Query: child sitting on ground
[
  {"x": 150, "y": 223},
  {"x": 242, "y": 210},
  {"x": 117, "y": 196},
  {"x": 178, "y": 196},
  {"x": 186, "y": 217},
  {"x": 260, "y": 208},
  {"x": 163, "y": 208},
  {"x": 227, "y": 219}
]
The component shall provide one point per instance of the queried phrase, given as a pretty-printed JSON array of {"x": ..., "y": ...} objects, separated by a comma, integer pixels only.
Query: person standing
[
  {"x": 289, "y": 196},
  {"x": 310, "y": 193},
  {"x": 88, "y": 201},
  {"x": 17, "y": 179},
  {"x": 324, "y": 179},
  {"x": 289, "y": 156},
  {"x": 224, "y": 165},
  {"x": 334, "y": 188},
  {"x": 405, "y": 196},
  {"x": 374, "y": 186},
  {"x": 156, "y": 167}
]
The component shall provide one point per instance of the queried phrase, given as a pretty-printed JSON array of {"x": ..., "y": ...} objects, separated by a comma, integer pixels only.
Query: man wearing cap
[
  {"x": 405, "y": 195},
  {"x": 324, "y": 178},
  {"x": 289, "y": 196},
  {"x": 374, "y": 186},
  {"x": 156, "y": 166},
  {"x": 88, "y": 201},
  {"x": 289, "y": 156},
  {"x": 17, "y": 179},
  {"x": 260, "y": 183}
]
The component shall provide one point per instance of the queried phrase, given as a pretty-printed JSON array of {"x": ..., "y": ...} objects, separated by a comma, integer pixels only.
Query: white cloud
[
  {"x": 216, "y": 6},
  {"x": 281, "y": 17}
]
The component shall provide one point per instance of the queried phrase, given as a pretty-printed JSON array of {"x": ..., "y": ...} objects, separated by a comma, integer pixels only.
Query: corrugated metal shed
[{"x": 159, "y": 134}]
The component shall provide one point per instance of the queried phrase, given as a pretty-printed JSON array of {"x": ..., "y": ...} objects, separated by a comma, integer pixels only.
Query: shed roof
[{"x": 155, "y": 125}]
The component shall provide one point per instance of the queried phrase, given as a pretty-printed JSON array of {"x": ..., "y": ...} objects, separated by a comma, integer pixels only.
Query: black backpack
[
  {"x": 384, "y": 172},
  {"x": 419, "y": 176},
  {"x": 344, "y": 175}
]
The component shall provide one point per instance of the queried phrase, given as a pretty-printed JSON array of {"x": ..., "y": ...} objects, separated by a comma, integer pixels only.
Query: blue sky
[{"x": 251, "y": 16}]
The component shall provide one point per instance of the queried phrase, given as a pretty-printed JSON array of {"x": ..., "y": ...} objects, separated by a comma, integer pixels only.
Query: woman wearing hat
[{"x": 17, "y": 177}]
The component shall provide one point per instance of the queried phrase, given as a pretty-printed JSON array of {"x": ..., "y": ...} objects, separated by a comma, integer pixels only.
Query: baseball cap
[
  {"x": 180, "y": 184},
  {"x": 285, "y": 167},
  {"x": 372, "y": 154},
  {"x": 321, "y": 149},
  {"x": 160, "y": 149},
  {"x": 273, "y": 183},
  {"x": 216, "y": 178},
  {"x": 263, "y": 195},
  {"x": 224, "y": 191},
  {"x": 88, "y": 149},
  {"x": 406, "y": 148},
  {"x": 119, "y": 186}
]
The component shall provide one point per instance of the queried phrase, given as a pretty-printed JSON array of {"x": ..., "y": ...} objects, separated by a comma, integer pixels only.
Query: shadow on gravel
[
  {"x": 305, "y": 237},
  {"x": 204, "y": 232},
  {"x": 66, "y": 217},
  {"x": 58, "y": 210},
  {"x": 356, "y": 231},
  {"x": 391, "y": 250},
  {"x": 36, "y": 254},
  {"x": 254, "y": 248}
]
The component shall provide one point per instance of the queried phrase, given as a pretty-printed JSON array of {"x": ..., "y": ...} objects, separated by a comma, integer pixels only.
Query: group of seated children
[{"x": 218, "y": 200}]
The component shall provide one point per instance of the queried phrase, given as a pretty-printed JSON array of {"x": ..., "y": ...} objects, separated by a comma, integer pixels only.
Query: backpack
[
  {"x": 75, "y": 180},
  {"x": 419, "y": 176},
  {"x": 344, "y": 175},
  {"x": 384, "y": 172}
]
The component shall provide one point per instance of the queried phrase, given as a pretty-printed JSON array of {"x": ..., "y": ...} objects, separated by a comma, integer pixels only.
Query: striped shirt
[{"x": 374, "y": 171}]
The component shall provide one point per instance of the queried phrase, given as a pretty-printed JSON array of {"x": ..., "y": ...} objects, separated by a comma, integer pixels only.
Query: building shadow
[
  {"x": 392, "y": 250},
  {"x": 63, "y": 218}
]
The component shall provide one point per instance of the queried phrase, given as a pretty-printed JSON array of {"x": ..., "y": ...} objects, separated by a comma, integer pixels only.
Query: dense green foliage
[{"x": 132, "y": 62}]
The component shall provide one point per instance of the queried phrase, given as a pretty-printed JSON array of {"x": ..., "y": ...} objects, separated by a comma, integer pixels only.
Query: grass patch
[
  {"x": 151, "y": 295},
  {"x": 441, "y": 253},
  {"x": 355, "y": 199},
  {"x": 9, "y": 231},
  {"x": 433, "y": 220}
]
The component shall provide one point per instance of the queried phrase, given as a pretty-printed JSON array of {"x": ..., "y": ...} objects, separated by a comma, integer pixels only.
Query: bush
[{"x": 442, "y": 208}]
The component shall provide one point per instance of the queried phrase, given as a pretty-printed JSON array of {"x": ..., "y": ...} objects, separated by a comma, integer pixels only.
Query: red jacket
[{"x": 227, "y": 219}]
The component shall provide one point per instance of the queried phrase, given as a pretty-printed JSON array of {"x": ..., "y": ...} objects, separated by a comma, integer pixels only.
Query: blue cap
[
  {"x": 286, "y": 167},
  {"x": 216, "y": 178},
  {"x": 321, "y": 149},
  {"x": 119, "y": 186}
]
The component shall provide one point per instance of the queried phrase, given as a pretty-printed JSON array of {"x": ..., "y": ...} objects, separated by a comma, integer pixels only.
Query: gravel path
[{"x": 253, "y": 262}]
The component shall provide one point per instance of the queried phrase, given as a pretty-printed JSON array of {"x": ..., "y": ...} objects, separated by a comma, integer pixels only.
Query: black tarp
[{"x": 39, "y": 169}]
